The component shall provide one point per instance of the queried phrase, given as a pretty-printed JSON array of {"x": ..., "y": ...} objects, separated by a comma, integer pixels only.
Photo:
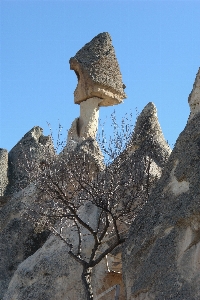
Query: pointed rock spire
[
  {"x": 25, "y": 158},
  {"x": 98, "y": 72},
  {"x": 194, "y": 97},
  {"x": 148, "y": 136}
]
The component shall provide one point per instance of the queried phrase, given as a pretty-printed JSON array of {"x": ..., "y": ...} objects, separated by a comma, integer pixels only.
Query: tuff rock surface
[
  {"x": 161, "y": 257},
  {"x": 3, "y": 170},
  {"x": 148, "y": 138},
  {"x": 25, "y": 157},
  {"x": 50, "y": 272},
  {"x": 194, "y": 97},
  {"x": 98, "y": 72},
  {"x": 147, "y": 151},
  {"x": 18, "y": 239}
]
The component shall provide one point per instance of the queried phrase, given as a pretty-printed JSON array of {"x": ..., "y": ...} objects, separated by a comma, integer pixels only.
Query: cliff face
[{"x": 161, "y": 254}]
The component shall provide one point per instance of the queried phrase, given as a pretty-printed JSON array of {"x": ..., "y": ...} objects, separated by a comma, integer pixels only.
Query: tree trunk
[{"x": 86, "y": 278}]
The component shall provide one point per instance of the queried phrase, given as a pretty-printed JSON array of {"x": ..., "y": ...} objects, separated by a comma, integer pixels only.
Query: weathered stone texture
[
  {"x": 24, "y": 158},
  {"x": 161, "y": 254},
  {"x": 148, "y": 137},
  {"x": 87, "y": 150},
  {"x": 147, "y": 148},
  {"x": 3, "y": 170},
  {"x": 99, "y": 84},
  {"x": 194, "y": 97},
  {"x": 85, "y": 127},
  {"x": 89, "y": 117},
  {"x": 49, "y": 274},
  {"x": 17, "y": 237},
  {"x": 98, "y": 72}
]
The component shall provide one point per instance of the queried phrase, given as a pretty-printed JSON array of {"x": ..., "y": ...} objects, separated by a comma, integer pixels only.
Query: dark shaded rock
[{"x": 17, "y": 237}]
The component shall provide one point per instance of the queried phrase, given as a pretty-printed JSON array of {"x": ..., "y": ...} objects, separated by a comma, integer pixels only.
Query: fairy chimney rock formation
[
  {"x": 25, "y": 157},
  {"x": 194, "y": 97},
  {"x": 99, "y": 82},
  {"x": 148, "y": 137}
]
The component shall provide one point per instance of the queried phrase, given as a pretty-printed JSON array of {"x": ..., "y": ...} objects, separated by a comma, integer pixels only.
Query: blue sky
[{"x": 157, "y": 44}]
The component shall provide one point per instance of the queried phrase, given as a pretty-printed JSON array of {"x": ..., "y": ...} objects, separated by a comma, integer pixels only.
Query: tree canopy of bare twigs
[{"x": 69, "y": 184}]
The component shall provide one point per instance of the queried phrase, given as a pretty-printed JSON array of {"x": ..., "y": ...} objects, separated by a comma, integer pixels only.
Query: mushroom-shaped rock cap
[{"x": 98, "y": 72}]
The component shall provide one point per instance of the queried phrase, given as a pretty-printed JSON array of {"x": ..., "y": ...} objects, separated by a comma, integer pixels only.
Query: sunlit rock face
[
  {"x": 161, "y": 257},
  {"x": 99, "y": 84},
  {"x": 86, "y": 125},
  {"x": 98, "y": 72},
  {"x": 148, "y": 137},
  {"x": 3, "y": 171}
]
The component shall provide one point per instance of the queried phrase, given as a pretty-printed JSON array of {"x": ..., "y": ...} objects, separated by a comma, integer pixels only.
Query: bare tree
[{"x": 67, "y": 184}]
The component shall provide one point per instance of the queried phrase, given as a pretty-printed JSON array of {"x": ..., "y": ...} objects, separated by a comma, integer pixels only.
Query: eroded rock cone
[
  {"x": 98, "y": 72},
  {"x": 148, "y": 137},
  {"x": 25, "y": 157},
  {"x": 147, "y": 152},
  {"x": 161, "y": 254}
]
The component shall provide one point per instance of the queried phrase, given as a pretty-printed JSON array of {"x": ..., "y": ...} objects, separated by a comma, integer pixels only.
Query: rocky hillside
[{"x": 44, "y": 270}]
